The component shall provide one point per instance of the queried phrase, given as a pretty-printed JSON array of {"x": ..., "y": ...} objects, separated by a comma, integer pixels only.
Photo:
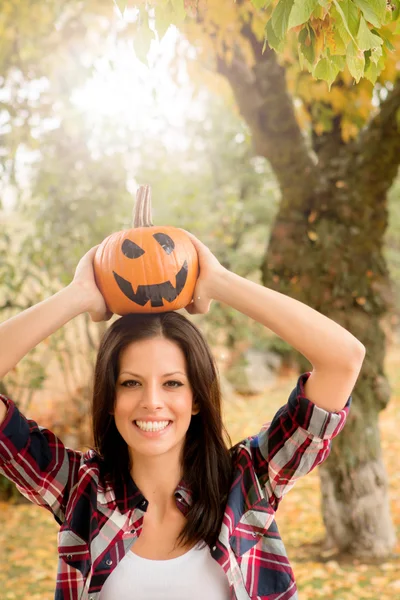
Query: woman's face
[{"x": 154, "y": 399}]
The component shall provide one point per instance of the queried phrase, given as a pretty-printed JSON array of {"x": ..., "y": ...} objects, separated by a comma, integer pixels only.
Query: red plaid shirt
[{"x": 99, "y": 524}]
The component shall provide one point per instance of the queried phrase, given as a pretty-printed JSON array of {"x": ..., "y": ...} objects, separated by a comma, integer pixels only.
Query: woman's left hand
[{"x": 210, "y": 270}]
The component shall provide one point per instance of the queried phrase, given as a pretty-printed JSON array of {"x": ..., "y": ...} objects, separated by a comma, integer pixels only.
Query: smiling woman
[{"x": 162, "y": 488}]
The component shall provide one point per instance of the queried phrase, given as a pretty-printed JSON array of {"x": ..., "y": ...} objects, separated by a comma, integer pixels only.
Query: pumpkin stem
[{"x": 142, "y": 210}]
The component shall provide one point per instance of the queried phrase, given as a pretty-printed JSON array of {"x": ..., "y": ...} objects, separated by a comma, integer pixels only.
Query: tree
[{"x": 335, "y": 153}]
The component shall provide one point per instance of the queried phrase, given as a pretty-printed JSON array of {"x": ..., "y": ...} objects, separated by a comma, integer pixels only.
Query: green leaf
[
  {"x": 389, "y": 44},
  {"x": 340, "y": 46},
  {"x": 142, "y": 40},
  {"x": 280, "y": 18},
  {"x": 327, "y": 70},
  {"x": 121, "y": 5},
  {"x": 271, "y": 38},
  {"x": 259, "y": 4},
  {"x": 301, "y": 12},
  {"x": 372, "y": 72},
  {"x": 355, "y": 61},
  {"x": 338, "y": 61},
  {"x": 350, "y": 21},
  {"x": 164, "y": 19},
  {"x": 374, "y": 11},
  {"x": 376, "y": 54},
  {"x": 365, "y": 38},
  {"x": 306, "y": 40},
  {"x": 396, "y": 11}
]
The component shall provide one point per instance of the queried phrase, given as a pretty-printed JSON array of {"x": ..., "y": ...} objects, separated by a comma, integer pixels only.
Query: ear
[{"x": 195, "y": 408}]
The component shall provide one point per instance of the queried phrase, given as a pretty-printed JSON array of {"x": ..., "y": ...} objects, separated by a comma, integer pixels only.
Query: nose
[{"x": 151, "y": 397}]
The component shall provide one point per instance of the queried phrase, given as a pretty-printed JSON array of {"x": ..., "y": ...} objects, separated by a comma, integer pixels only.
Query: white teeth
[{"x": 152, "y": 425}]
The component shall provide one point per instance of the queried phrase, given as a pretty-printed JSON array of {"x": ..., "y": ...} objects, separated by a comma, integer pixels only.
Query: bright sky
[{"x": 131, "y": 95}]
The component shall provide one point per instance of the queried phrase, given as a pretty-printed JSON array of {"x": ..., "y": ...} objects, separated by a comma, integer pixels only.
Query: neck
[{"x": 157, "y": 478}]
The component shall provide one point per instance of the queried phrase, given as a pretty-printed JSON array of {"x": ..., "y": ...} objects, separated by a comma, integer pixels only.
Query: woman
[{"x": 161, "y": 508}]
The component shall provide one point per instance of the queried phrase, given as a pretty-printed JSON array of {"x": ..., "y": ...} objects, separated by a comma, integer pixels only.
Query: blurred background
[{"x": 280, "y": 155}]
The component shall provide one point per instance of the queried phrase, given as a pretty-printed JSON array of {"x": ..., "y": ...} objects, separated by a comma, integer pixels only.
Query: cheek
[
  {"x": 123, "y": 406},
  {"x": 183, "y": 405}
]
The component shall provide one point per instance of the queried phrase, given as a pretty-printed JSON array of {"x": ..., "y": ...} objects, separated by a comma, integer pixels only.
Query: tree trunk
[
  {"x": 326, "y": 250},
  {"x": 329, "y": 255}
]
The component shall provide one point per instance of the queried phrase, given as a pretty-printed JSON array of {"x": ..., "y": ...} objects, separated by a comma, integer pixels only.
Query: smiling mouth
[
  {"x": 157, "y": 292},
  {"x": 152, "y": 432}
]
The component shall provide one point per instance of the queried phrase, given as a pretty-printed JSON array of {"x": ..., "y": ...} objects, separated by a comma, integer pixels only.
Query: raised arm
[
  {"x": 335, "y": 354},
  {"x": 22, "y": 333},
  {"x": 32, "y": 457},
  {"x": 300, "y": 434}
]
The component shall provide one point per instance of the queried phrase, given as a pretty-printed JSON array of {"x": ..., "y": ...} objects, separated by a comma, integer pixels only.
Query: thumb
[
  {"x": 199, "y": 306},
  {"x": 97, "y": 317}
]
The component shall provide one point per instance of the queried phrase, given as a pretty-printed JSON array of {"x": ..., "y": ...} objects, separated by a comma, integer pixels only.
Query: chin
[{"x": 147, "y": 449}]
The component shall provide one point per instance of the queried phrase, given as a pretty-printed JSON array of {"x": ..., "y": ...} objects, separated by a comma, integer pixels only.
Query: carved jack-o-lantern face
[
  {"x": 156, "y": 293},
  {"x": 146, "y": 269}
]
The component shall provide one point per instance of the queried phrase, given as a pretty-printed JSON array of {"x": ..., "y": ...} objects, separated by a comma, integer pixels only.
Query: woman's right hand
[{"x": 85, "y": 283}]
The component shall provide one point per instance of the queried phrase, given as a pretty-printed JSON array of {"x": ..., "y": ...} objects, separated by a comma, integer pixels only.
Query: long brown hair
[{"x": 207, "y": 463}]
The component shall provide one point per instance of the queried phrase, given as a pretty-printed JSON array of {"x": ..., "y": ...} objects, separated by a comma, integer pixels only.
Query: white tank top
[{"x": 194, "y": 575}]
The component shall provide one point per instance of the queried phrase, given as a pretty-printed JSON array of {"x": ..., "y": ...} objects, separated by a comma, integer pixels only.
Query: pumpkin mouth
[{"x": 157, "y": 292}]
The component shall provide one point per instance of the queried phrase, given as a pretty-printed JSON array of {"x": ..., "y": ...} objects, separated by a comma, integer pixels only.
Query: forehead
[{"x": 155, "y": 355}]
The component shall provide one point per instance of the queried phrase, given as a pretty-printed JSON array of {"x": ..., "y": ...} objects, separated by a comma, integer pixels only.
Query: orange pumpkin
[{"x": 146, "y": 269}]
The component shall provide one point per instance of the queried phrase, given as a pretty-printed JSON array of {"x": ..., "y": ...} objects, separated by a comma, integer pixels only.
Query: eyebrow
[{"x": 165, "y": 374}]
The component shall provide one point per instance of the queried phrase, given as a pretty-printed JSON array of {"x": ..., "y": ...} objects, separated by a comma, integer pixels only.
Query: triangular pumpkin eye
[
  {"x": 165, "y": 242},
  {"x": 131, "y": 250}
]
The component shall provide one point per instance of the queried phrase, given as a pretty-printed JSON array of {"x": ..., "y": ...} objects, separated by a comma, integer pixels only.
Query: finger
[
  {"x": 189, "y": 309},
  {"x": 92, "y": 251},
  {"x": 190, "y": 235},
  {"x": 97, "y": 317}
]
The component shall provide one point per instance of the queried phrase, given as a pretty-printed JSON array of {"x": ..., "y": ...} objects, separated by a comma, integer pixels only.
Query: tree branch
[
  {"x": 377, "y": 149},
  {"x": 264, "y": 102}
]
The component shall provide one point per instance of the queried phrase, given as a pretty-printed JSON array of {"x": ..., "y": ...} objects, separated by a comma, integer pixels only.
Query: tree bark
[
  {"x": 326, "y": 250},
  {"x": 341, "y": 272}
]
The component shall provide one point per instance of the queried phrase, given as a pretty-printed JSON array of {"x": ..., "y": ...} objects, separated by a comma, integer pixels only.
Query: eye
[
  {"x": 178, "y": 384},
  {"x": 165, "y": 242},
  {"x": 128, "y": 382},
  {"x": 131, "y": 250},
  {"x": 132, "y": 383}
]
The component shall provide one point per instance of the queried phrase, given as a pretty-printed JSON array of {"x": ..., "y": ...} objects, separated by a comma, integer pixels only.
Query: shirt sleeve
[
  {"x": 37, "y": 462},
  {"x": 296, "y": 441}
]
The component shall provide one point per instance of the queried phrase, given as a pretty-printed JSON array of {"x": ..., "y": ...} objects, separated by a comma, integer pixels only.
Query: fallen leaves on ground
[{"x": 28, "y": 534}]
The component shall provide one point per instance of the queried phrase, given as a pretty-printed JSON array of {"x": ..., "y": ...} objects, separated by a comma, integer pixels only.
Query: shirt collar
[
  {"x": 127, "y": 496},
  {"x": 184, "y": 496}
]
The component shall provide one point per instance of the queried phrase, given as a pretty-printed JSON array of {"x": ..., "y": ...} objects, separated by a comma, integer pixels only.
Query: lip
[
  {"x": 152, "y": 434},
  {"x": 153, "y": 420}
]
